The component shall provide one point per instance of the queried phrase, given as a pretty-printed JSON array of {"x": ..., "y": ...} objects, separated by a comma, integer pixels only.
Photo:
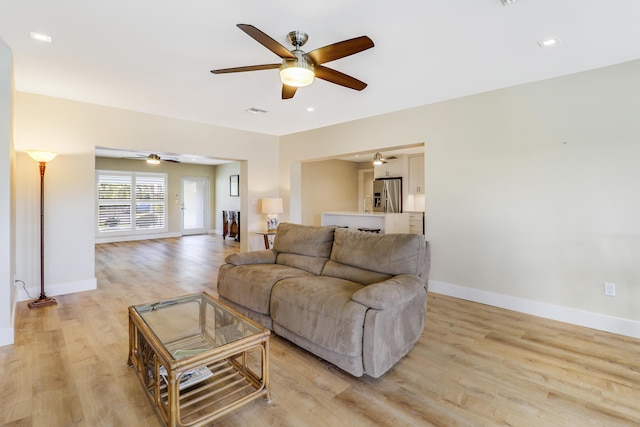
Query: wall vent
[{"x": 257, "y": 110}]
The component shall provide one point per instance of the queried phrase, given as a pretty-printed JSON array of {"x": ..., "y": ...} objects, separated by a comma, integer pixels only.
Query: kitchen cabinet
[
  {"x": 416, "y": 174},
  {"x": 393, "y": 168},
  {"x": 416, "y": 222},
  {"x": 386, "y": 222}
]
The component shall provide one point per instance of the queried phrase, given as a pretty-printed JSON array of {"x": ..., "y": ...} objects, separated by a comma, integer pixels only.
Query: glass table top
[{"x": 195, "y": 323}]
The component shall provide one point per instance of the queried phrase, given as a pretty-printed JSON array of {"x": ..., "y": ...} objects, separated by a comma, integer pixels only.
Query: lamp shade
[
  {"x": 42, "y": 156},
  {"x": 272, "y": 205}
]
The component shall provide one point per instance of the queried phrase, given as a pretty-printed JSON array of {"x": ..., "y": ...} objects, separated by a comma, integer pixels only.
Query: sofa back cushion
[
  {"x": 303, "y": 246},
  {"x": 311, "y": 264},
  {"x": 390, "y": 254},
  {"x": 354, "y": 274}
]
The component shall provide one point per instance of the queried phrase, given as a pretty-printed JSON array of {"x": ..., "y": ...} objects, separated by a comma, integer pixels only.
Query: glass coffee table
[{"x": 197, "y": 358}]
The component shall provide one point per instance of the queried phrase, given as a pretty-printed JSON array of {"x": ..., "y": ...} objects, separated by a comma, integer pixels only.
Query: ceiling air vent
[{"x": 257, "y": 110}]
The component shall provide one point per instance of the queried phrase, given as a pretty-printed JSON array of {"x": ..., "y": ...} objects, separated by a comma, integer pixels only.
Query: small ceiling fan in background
[
  {"x": 379, "y": 160},
  {"x": 298, "y": 68},
  {"x": 154, "y": 159}
]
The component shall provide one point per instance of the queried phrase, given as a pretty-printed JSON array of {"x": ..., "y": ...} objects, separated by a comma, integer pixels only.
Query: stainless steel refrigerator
[{"x": 387, "y": 195}]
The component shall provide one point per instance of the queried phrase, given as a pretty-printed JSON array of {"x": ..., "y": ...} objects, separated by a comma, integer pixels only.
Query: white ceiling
[{"x": 155, "y": 56}]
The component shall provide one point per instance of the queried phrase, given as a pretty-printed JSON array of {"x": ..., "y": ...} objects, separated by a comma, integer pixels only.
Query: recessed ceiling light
[
  {"x": 257, "y": 110},
  {"x": 310, "y": 109},
  {"x": 551, "y": 41},
  {"x": 41, "y": 37}
]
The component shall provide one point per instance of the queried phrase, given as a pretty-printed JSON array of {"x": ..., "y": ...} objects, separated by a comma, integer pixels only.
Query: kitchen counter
[{"x": 386, "y": 222}]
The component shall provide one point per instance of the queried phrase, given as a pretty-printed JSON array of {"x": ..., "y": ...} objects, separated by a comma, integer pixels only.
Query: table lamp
[{"x": 272, "y": 207}]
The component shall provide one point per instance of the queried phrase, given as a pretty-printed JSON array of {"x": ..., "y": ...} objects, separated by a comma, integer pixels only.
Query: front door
[{"x": 195, "y": 205}]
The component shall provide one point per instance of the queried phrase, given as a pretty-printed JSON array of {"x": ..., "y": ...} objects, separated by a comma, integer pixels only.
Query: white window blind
[
  {"x": 150, "y": 202},
  {"x": 123, "y": 210}
]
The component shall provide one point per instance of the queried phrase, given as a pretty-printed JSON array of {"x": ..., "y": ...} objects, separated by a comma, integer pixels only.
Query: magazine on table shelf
[{"x": 190, "y": 377}]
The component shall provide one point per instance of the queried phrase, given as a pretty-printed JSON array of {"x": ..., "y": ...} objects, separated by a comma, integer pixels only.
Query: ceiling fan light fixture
[
  {"x": 377, "y": 159},
  {"x": 296, "y": 72},
  {"x": 153, "y": 159}
]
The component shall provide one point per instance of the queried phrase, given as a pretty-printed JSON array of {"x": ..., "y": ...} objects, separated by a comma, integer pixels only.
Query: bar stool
[{"x": 370, "y": 230}]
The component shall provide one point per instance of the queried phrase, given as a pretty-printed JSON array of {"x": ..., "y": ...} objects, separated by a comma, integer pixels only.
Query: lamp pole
[{"x": 42, "y": 157}]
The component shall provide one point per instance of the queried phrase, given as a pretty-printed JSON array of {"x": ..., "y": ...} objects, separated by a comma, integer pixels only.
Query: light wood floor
[{"x": 474, "y": 365}]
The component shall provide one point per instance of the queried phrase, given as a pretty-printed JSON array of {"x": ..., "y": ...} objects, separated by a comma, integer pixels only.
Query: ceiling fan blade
[
  {"x": 340, "y": 49},
  {"x": 249, "y": 68},
  {"x": 288, "y": 91},
  {"x": 333, "y": 76},
  {"x": 266, "y": 41}
]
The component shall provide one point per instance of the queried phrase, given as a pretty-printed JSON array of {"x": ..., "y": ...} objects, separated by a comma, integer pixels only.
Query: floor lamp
[{"x": 42, "y": 157}]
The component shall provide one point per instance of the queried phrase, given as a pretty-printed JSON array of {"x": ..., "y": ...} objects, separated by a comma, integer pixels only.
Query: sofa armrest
[
  {"x": 389, "y": 293},
  {"x": 265, "y": 256}
]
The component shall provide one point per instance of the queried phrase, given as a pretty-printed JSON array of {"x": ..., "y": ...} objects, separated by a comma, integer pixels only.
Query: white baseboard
[
  {"x": 602, "y": 322},
  {"x": 114, "y": 239},
  {"x": 6, "y": 336},
  {"x": 58, "y": 289}
]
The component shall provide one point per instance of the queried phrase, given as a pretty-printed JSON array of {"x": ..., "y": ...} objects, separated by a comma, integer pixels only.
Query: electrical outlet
[{"x": 610, "y": 289}]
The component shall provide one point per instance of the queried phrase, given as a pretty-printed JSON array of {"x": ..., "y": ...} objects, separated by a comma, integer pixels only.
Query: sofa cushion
[
  {"x": 250, "y": 285},
  {"x": 320, "y": 310},
  {"x": 311, "y": 264},
  {"x": 355, "y": 274},
  {"x": 304, "y": 240},
  {"x": 384, "y": 253}
]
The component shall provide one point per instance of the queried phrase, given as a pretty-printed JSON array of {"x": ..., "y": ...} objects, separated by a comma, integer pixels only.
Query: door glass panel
[{"x": 193, "y": 209}]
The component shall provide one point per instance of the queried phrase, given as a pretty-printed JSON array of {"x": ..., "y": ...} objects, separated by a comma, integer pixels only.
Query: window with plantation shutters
[
  {"x": 131, "y": 202},
  {"x": 150, "y": 202}
]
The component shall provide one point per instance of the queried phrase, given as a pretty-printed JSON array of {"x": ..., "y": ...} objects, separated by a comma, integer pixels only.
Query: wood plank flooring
[{"x": 474, "y": 365}]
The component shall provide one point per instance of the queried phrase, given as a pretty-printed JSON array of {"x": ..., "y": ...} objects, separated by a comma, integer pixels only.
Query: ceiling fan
[
  {"x": 379, "y": 160},
  {"x": 299, "y": 68},
  {"x": 154, "y": 159}
]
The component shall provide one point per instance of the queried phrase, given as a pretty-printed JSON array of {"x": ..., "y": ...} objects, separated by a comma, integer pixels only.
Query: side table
[{"x": 266, "y": 235}]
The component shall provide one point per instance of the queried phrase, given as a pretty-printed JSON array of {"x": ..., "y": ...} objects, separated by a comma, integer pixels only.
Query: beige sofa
[{"x": 355, "y": 299}]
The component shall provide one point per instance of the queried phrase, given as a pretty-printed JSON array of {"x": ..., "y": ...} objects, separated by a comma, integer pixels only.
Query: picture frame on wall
[{"x": 234, "y": 185}]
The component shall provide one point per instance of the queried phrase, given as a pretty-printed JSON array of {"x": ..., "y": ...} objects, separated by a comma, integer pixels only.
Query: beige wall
[
  {"x": 531, "y": 190},
  {"x": 69, "y": 212},
  {"x": 330, "y": 185},
  {"x": 175, "y": 172}
]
